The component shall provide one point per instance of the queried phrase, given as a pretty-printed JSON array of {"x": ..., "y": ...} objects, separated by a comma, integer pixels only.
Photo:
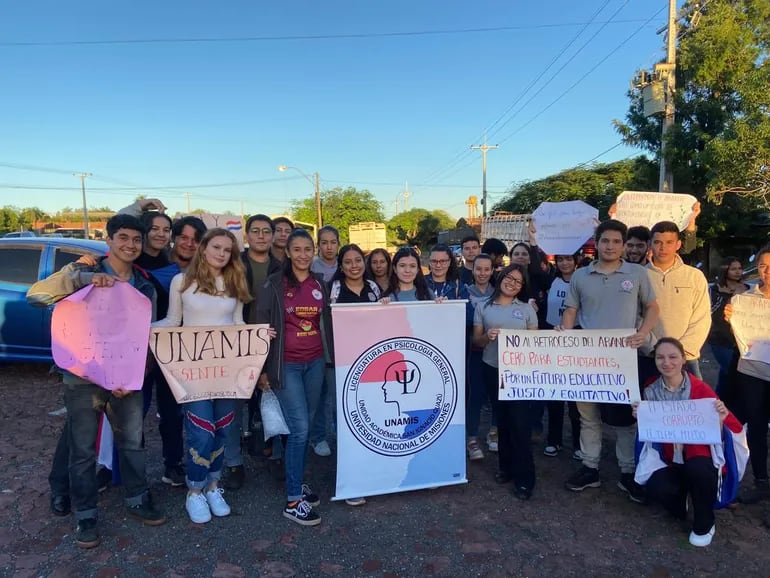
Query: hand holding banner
[
  {"x": 751, "y": 326},
  {"x": 641, "y": 208},
  {"x": 562, "y": 228},
  {"x": 100, "y": 334},
  {"x": 586, "y": 365},
  {"x": 689, "y": 421},
  {"x": 211, "y": 362}
]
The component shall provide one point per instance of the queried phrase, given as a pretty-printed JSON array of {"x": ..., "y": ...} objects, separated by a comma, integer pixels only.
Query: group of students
[{"x": 198, "y": 277}]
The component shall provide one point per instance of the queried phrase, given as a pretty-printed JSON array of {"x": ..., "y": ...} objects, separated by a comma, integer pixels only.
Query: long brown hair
[{"x": 233, "y": 273}]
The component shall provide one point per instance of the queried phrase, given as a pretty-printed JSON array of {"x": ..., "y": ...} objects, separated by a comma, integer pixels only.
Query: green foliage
[
  {"x": 597, "y": 185},
  {"x": 418, "y": 227},
  {"x": 340, "y": 208},
  {"x": 9, "y": 219},
  {"x": 719, "y": 148}
]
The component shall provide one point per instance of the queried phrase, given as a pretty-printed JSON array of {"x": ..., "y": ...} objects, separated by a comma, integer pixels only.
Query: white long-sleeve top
[{"x": 200, "y": 309}]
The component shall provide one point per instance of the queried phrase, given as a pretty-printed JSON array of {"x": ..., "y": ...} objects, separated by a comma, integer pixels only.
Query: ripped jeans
[{"x": 206, "y": 423}]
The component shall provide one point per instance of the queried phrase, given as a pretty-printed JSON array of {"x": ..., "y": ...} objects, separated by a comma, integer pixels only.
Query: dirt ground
[{"x": 476, "y": 529}]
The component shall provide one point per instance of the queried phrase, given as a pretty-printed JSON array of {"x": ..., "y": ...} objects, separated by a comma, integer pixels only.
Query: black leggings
[
  {"x": 754, "y": 405},
  {"x": 514, "y": 433},
  {"x": 697, "y": 477}
]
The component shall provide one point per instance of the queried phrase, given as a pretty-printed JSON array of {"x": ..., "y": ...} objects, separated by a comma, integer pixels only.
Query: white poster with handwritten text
[
  {"x": 579, "y": 365},
  {"x": 687, "y": 421},
  {"x": 562, "y": 228},
  {"x": 647, "y": 208},
  {"x": 751, "y": 326},
  {"x": 211, "y": 362}
]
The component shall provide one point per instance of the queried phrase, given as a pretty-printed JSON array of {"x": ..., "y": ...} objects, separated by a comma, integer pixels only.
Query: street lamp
[{"x": 317, "y": 187}]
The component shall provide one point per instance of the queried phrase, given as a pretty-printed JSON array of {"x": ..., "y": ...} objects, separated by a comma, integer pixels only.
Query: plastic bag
[{"x": 273, "y": 423}]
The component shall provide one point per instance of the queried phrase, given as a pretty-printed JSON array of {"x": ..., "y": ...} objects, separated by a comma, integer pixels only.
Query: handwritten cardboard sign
[
  {"x": 589, "y": 365},
  {"x": 562, "y": 228},
  {"x": 689, "y": 421},
  {"x": 751, "y": 326},
  {"x": 100, "y": 334},
  {"x": 643, "y": 208},
  {"x": 211, "y": 362}
]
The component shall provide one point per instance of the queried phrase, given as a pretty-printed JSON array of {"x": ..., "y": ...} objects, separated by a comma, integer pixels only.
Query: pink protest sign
[{"x": 101, "y": 333}]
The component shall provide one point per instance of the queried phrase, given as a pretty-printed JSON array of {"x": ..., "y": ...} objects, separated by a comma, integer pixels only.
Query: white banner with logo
[{"x": 400, "y": 372}]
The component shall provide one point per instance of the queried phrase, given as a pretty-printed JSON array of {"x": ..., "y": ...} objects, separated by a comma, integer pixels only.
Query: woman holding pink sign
[
  {"x": 708, "y": 473},
  {"x": 210, "y": 292}
]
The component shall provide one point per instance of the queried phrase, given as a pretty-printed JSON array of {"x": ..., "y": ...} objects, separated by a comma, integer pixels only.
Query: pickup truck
[{"x": 25, "y": 331}]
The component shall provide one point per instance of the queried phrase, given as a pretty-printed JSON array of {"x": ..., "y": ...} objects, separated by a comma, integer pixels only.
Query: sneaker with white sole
[
  {"x": 474, "y": 451},
  {"x": 302, "y": 513},
  {"x": 577, "y": 455},
  {"x": 322, "y": 449},
  {"x": 355, "y": 501},
  {"x": 197, "y": 508},
  {"x": 551, "y": 451},
  {"x": 492, "y": 440},
  {"x": 702, "y": 540},
  {"x": 217, "y": 503}
]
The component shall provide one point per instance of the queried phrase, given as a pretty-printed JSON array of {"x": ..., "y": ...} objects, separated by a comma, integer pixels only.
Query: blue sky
[{"x": 370, "y": 112}]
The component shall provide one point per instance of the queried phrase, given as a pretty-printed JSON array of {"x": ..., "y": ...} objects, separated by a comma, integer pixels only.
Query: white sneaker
[
  {"x": 702, "y": 540},
  {"x": 355, "y": 501},
  {"x": 197, "y": 508},
  {"x": 217, "y": 503},
  {"x": 322, "y": 449},
  {"x": 492, "y": 440}
]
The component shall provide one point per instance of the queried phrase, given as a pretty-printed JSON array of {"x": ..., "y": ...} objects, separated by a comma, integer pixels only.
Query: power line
[
  {"x": 464, "y": 152},
  {"x": 579, "y": 80},
  {"x": 350, "y": 36}
]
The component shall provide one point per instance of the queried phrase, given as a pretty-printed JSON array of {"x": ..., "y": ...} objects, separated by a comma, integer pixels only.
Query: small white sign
[
  {"x": 643, "y": 208},
  {"x": 689, "y": 421},
  {"x": 751, "y": 326},
  {"x": 562, "y": 228}
]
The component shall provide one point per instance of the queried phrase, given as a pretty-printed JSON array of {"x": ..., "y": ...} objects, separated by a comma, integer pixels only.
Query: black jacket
[
  {"x": 273, "y": 266},
  {"x": 270, "y": 309}
]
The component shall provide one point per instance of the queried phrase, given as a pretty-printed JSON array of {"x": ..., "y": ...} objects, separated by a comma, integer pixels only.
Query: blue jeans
[
  {"x": 327, "y": 409},
  {"x": 233, "y": 452},
  {"x": 725, "y": 357},
  {"x": 85, "y": 404},
  {"x": 299, "y": 395},
  {"x": 206, "y": 424}
]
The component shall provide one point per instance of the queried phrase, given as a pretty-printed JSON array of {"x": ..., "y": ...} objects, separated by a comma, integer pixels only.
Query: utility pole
[
  {"x": 318, "y": 200},
  {"x": 188, "y": 202},
  {"x": 82, "y": 177},
  {"x": 396, "y": 204},
  {"x": 406, "y": 194},
  {"x": 666, "y": 182},
  {"x": 484, "y": 148}
]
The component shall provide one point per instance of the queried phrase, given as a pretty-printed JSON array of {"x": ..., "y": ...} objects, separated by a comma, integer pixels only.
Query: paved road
[{"x": 477, "y": 529}]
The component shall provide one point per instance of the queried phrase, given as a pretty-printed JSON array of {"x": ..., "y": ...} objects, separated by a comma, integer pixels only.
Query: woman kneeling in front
[{"x": 708, "y": 473}]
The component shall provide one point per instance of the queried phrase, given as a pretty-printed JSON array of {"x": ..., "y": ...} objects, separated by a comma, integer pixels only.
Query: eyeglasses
[
  {"x": 439, "y": 261},
  {"x": 266, "y": 231},
  {"x": 514, "y": 280}
]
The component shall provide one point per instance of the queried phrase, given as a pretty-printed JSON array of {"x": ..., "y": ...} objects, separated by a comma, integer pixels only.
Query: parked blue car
[{"x": 25, "y": 331}]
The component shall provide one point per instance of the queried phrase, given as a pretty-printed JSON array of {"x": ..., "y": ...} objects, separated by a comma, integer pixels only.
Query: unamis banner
[
  {"x": 400, "y": 371},
  {"x": 211, "y": 362}
]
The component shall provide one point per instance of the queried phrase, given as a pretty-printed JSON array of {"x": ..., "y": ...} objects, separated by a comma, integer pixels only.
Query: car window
[
  {"x": 19, "y": 264},
  {"x": 65, "y": 257}
]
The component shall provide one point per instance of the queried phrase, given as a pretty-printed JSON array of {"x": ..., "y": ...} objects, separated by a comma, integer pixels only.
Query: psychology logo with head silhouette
[{"x": 400, "y": 396}]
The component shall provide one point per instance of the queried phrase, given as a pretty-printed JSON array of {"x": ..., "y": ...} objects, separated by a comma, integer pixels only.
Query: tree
[
  {"x": 419, "y": 226},
  {"x": 719, "y": 147},
  {"x": 9, "y": 219},
  {"x": 28, "y": 216},
  {"x": 597, "y": 185},
  {"x": 340, "y": 208}
]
